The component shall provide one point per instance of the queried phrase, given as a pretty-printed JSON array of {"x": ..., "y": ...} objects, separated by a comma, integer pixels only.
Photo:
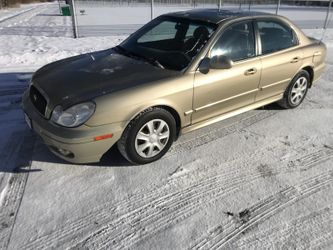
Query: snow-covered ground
[
  {"x": 11, "y": 12},
  {"x": 260, "y": 180}
]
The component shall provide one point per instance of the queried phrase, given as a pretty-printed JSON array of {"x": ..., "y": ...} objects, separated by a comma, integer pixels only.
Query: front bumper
[{"x": 76, "y": 145}]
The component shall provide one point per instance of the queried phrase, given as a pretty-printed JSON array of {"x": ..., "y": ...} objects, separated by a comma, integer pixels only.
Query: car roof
[{"x": 215, "y": 15}]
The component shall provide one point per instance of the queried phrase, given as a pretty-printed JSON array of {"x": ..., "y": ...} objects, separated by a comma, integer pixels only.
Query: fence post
[
  {"x": 327, "y": 20},
  {"x": 152, "y": 10},
  {"x": 74, "y": 20},
  {"x": 327, "y": 14},
  {"x": 278, "y": 7},
  {"x": 59, "y": 7}
]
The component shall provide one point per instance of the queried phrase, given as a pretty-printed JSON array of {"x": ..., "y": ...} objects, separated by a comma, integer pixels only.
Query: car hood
[{"x": 84, "y": 77}]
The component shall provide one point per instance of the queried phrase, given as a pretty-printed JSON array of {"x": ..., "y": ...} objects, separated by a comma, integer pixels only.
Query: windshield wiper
[
  {"x": 158, "y": 64},
  {"x": 131, "y": 54}
]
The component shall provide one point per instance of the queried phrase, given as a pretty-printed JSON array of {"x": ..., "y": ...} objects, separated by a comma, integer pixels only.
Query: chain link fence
[{"x": 123, "y": 17}]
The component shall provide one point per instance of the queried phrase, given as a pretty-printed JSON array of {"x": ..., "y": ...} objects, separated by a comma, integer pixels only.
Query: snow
[
  {"x": 11, "y": 12},
  {"x": 35, "y": 51},
  {"x": 262, "y": 179}
]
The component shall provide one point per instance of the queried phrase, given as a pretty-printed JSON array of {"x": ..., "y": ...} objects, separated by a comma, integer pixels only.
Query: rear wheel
[
  {"x": 148, "y": 137},
  {"x": 296, "y": 91}
]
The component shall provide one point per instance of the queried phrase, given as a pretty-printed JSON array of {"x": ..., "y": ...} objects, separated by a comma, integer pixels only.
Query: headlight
[{"x": 73, "y": 116}]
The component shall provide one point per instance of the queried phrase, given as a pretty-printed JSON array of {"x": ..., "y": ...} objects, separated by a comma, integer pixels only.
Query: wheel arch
[
  {"x": 164, "y": 106},
  {"x": 309, "y": 69},
  {"x": 175, "y": 115}
]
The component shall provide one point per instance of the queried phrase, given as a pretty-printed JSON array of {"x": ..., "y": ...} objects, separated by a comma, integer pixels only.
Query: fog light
[{"x": 64, "y": 152}]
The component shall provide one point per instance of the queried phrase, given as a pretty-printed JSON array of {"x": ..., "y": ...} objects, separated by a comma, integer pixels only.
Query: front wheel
[
  {"x": 148, "y": 137},
  {"x": 296, "y": 91}
]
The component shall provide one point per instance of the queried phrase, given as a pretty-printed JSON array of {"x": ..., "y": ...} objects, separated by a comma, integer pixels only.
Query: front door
[{"x": 222, "y": 90}]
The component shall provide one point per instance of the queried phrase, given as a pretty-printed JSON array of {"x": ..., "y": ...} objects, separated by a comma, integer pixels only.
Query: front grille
[{"x": 38, "y": 100}]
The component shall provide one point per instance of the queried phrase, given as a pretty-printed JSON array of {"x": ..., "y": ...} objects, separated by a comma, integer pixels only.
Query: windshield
[{"x": 168, "y": 42}]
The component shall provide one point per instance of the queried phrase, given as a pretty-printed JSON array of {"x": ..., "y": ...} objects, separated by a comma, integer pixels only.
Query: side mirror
[
  {"x": 216, "y": 62},
  {"x": 204, "y": 65},
  {"x": 221, "y": 62}
]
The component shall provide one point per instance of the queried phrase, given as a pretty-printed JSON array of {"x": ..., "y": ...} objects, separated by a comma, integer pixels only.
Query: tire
[
  {"x": 148, "y": 136},
  {"x": 296, "y": 91}
]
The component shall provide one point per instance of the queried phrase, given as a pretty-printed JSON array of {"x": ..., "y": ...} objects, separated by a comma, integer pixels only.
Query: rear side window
[
  {"x": 275, "y": 36},
  {"x": 237, "y": 42}
]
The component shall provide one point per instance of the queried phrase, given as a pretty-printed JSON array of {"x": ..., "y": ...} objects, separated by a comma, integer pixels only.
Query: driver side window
[{"x": 236, "y": 42}]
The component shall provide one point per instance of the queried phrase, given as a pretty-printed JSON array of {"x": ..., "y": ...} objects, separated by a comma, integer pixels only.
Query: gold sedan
[{"x": 179, "y": 72}]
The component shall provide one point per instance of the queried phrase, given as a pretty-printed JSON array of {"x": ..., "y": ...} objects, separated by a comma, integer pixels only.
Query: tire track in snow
[
  {"x": 95, "y": 217},
  {"x": 22, "y": 17},
  {"x": 8, "y": 154},
  {"x": 17, "y": 14},
  {"x": 310, "y": 160},
  {"x": 178, "y": 208},
  {"x": 14, "y": 104},
  {"x": 147, "y": 214},
  {"x": 149, "y": 220},
  {"x": 218, "y": 133},
  {"x": 15, "y": 186},
  {"x": 12, "y": 90},
  {"x": 109, "y": 214},
  {"x": 102, "y": 213},
  {"x": 222, "y": 235},
  {"x": 305, "y": 232},
  {"x": 14, "y": 85},
  {"x": 25, "y": 23}
]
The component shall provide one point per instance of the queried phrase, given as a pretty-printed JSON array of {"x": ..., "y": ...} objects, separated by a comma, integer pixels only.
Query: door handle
[
  {"x": 295, "y": 60},
  {"x": 250, "y": 72}
]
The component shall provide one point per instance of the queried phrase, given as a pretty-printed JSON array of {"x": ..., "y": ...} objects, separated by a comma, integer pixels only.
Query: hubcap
[
  {"x": 298, "y": 90},
  {"x": 152, "y": 138}
]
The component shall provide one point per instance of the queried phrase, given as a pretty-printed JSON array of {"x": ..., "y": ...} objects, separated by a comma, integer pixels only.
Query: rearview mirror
[{"x": 220, "y": 62}]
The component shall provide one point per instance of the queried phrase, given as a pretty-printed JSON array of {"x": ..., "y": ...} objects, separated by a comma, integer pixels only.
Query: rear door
[{"x": 280, "y": 56}]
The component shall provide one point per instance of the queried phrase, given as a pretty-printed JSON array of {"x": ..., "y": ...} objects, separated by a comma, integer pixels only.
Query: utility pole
[
  {"x": 74, "y": 20},
  {"x": 152, "y": 10},
  {"x": 278, "y": 7},
  {"x": 328, "y": 14},
  {"x": 220, "y": 4}
]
